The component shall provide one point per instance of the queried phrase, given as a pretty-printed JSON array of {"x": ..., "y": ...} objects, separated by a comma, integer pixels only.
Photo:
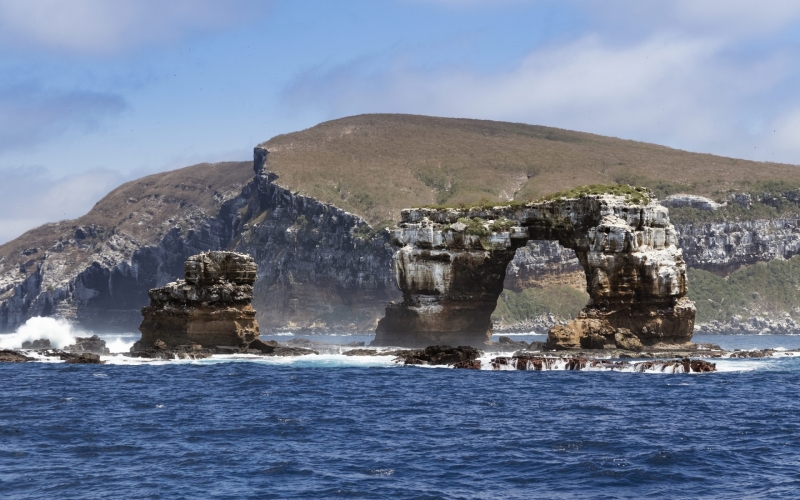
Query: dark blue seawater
[{"x": 239, "y": 429}]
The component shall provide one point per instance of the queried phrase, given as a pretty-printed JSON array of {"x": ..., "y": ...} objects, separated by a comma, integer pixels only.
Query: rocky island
[{"x": 210, "y": 307}]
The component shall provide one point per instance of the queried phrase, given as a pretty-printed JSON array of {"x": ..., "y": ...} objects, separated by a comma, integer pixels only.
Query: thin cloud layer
[
  {"x": 100, "y": 27},
  {"x": 30, "y": 114}
]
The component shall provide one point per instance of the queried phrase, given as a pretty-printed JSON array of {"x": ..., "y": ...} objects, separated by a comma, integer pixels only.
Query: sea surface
[{"x": 332, "y": 426}]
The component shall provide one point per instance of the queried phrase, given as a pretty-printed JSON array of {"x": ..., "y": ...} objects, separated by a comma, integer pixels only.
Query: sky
[{"x": 95, "y": 93}]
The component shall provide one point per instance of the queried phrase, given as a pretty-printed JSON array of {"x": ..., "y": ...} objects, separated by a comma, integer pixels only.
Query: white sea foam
[
  {"x": 119, "y": 345},
  {"x": 58, "y": 331}
]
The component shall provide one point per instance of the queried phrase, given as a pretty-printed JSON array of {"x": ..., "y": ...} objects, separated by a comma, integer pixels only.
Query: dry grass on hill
[{"x": 376, "y": 165}]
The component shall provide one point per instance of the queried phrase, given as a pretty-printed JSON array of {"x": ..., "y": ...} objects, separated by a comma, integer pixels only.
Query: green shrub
[
  {"x": 475, "y": 227},
  {"x": 637, "y": 195},
  {"x": 771, "y": 288},
  {"x": 501, "y": 225}
]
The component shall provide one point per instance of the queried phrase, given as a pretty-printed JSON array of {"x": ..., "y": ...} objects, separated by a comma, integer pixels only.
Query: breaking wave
[{"x": 58, "y": 331}]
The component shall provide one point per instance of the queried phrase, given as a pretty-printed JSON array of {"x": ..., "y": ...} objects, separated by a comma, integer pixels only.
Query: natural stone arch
[{"x": 451, "y": 274}]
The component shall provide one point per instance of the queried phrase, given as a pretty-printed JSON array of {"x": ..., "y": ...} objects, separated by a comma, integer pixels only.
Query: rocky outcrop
[
  {"x": 92, "y": 345},
  {"x": 460, "y": 357},
  {"x": 546, "y": 363},
  {"x": 9, "y": 356},
  {"x": 210, "y": 307},
  {"x": 451, "y": 267}
]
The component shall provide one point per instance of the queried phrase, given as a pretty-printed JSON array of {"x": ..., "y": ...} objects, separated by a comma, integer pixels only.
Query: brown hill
[{"x": 375, "y": 165}]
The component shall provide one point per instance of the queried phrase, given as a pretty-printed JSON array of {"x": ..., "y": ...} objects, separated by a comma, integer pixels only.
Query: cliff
[{"x": 312, "y": 213}]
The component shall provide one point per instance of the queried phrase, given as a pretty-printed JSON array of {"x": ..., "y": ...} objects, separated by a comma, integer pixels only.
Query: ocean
[{"x": 332, "y": 426}]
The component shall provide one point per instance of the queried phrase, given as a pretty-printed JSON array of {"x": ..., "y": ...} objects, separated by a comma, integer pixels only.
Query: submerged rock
[{"x": 210, "y": 307}]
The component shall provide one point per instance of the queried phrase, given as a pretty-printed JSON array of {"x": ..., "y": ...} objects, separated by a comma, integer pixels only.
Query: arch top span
[{"x": 452, "y": 262}]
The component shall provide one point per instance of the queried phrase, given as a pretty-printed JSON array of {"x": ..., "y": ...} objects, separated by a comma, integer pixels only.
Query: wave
[{"x": 58, "y": 331}]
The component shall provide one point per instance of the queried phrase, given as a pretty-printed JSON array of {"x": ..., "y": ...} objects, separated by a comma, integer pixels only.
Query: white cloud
[
  {"x": 107, "y": 27},
  {"x": 32, "y": 196}
]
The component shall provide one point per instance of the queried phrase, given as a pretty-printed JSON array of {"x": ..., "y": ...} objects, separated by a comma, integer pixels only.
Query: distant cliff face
[{"x": 320, "y": 268}]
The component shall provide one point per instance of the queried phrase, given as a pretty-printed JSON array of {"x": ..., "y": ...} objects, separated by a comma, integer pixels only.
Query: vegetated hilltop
[{"x": 376, "y": 165}]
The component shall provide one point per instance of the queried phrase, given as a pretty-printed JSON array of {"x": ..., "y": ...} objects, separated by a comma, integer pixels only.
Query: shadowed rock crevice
[{"x": 452, "y": 263}]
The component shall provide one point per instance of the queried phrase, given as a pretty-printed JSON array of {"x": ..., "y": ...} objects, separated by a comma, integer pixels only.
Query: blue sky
[{"x": 94, "y": 93}]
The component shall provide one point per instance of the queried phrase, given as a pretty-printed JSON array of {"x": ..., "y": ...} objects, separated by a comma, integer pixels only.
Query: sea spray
[{"x": 58, "y": 331}]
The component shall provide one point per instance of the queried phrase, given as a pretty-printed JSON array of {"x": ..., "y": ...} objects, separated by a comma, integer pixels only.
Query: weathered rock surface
[
  {"x": 93, "y": 344},
  {"x": 451, "y": 277},
  {"x": 9, "y": 356},
  {"x": 37, "y": 344},
  {"x": 209, "y": 307},
  {"x": 543, "y": 363},
  {"x": 85, "y": 358},
  {"x": 440, "y": 355},
  {"x": 690, "y": 201}
]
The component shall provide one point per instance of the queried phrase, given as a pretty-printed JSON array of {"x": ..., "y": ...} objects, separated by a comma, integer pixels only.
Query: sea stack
[{"x": 209, "y": 307}]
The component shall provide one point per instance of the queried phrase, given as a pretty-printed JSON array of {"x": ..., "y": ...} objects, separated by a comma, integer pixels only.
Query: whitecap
[{"x": 58, "y": 331}]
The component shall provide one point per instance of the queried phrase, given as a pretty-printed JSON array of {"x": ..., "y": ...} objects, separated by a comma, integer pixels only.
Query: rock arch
[{"x": 451, "y": 273}]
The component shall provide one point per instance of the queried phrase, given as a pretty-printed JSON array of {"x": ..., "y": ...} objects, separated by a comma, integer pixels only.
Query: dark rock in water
[
  {"x": 37, "y": 344},
  {"x": 355, "y": 344},
  {"x": 157, "y": 351},
  {"x": 91, "y": 344},
  {"x": 303, "y": 342},
  {"x": 536, "y": 346},
  {"x": 468, "y": 365},
  {"x": 263, "y": 347},
  {"x": 684, "y": 365},
  {"x": 9, "y": 356},
  {"x": 539, "y": 363},
  {"x": 85, "y": 358},
  {"x": 766, "y": 353},
  {"x": 292, "y": 351},
  {"x": 438, "y": 355},
  {"x": 210, "y": 307},
  {"x": 361, "y": 352},
  {"x": 507, "y": 344}
]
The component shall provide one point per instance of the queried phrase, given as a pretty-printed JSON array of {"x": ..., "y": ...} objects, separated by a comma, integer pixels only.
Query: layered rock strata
[
  {"x": 210, "y": 307},
  {"x": 452, "y": 263}
]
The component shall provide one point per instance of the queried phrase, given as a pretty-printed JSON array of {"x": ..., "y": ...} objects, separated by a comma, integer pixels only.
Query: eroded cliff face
[
  {"x": 452, "y": 264},
  {"x": 210, "y": 307},
  {"x": 320, "y": 268},
  {"x": 725, "y": 246}
]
